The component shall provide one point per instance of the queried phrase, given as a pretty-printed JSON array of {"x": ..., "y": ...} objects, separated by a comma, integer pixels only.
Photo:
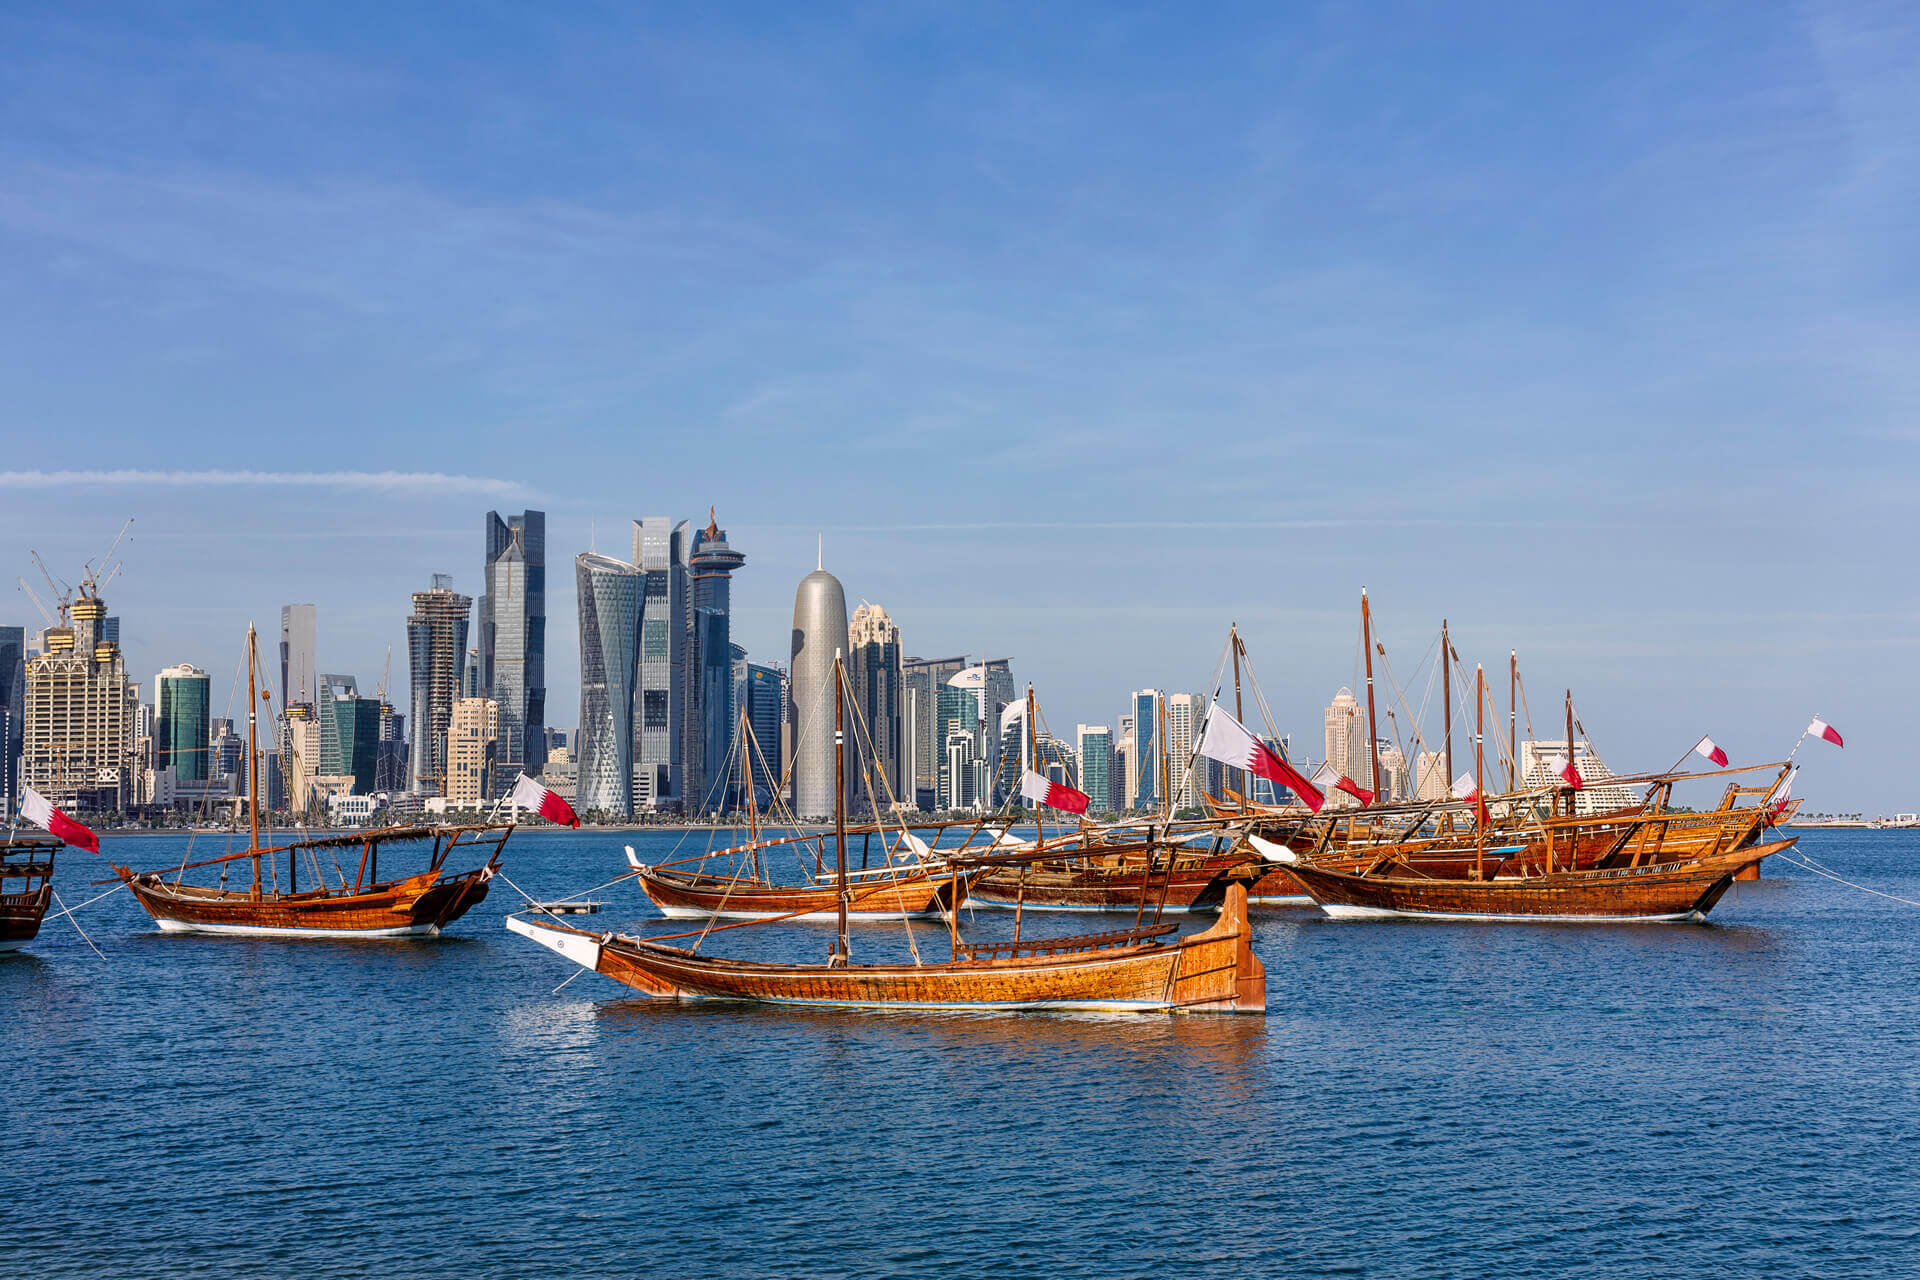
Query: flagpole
[{"x": 503, "y": 795}]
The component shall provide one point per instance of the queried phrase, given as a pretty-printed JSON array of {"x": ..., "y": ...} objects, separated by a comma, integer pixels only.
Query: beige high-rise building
[
  {"x": 1393, "y": 774},
  {"x": 1185, "y": 714},
  {"x": 1594, "y": 796},
  {"x": 1346, "y": 737},
  {"x": 300, "y": 757},
  {"x": 473, "y": 740},
  {"x": 78, "y": 722}
]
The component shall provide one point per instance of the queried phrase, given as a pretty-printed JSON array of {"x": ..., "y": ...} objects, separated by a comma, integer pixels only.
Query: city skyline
[{"x": 1404, "y": 312}]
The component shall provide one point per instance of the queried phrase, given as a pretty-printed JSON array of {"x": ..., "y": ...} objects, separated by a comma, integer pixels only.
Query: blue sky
[{"x": 1077, "y": 332}]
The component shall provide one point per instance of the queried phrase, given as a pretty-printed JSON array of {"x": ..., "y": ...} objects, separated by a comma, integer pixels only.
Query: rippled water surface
[{"x": 1421, "y": 1099}]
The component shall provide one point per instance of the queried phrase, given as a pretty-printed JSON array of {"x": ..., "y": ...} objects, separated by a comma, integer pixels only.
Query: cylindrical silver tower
[{"x": 819, "y": 630}]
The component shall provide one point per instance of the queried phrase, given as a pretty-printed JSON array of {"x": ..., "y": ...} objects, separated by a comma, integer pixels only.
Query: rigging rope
[{"x": 1819, "y": 871}]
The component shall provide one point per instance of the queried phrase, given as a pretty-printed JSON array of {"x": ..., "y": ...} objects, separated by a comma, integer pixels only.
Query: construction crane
[
  {"x": 109, "y": 569},
  {"x": 62, "y": 593},
  {"x": 38, "y": 603}
]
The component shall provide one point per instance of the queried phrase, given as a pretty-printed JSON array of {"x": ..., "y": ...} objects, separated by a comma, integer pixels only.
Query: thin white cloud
[{"x": 435, "y": 481}]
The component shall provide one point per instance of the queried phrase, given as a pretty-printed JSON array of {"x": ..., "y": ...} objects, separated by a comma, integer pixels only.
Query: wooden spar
[
  {"x": 1479, "y": 766},
  {"x": 841, "y": 953},
  {"x": 1446, "y": 705},
  {"x": 253, "y": 763},
  {"x": 1513, "y": 720},
  {"x": 1033, "y": 759},
  {"x": 1233, "y": 641},
  {"x": 1373, "y": 730}
]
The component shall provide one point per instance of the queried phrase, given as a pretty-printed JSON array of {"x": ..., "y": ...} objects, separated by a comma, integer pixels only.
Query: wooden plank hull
[
  {"x": 416, "y": 906},
  {"x": 1200, "y": 886},
  {"x": 21, "y": 914},
  {"x": 1668, "y": 891},
  {"x": 695, "y": 896},
  {"x": 1213, "y": 971}
]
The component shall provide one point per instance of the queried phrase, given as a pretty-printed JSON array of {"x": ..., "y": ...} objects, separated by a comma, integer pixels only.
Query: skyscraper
[
  {"x": 1185, "y": 711},
  {"x": 610, "y": 594},
  {"x": 1346, "y": 737},
  {"x": 13, "y": 683},
  {"x": 181, "y": 728},
  {"x": 473, "y": 739},
  {"x": 819, "y": 633},
  {"x": 1143, "y": 762},
  {"x": 874, "y": 667},
  {"x": 1095, "y": 744},
  {"x": 712, "y": 563},
  {"x": 436, "y": 652},
  {"x": 512, "y": 618},
  {"x": 964, "y": 776},
  {"x": 77, "y": 745},
  {"x": 922, "y": 679},
  {"x": 660, "y": 697},
  {"x": 297, "y": 669},
  {"x": 766, "y": 714},
  {"x": 349, "y": 732}
]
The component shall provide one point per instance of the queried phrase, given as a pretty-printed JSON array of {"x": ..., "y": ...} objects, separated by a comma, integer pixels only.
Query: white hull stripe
[
  {"x": 1343, "y": 911},
  {"x": 695, "y": 913},
  {"x": 265, "y": 931},
  {"x": 1006, "y": 904}
]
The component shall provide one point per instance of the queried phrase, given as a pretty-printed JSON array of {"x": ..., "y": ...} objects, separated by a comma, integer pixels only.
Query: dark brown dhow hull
[
  {"x": 416, "y": 906},
  {"x": 698, "y": 896},
  {"x": 20, "y": 916},
  {"x": 1210, "y": 972},
  {"x": 1681, "y": 890}
]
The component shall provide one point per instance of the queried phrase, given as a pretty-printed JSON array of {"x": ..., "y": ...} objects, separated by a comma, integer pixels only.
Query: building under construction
[
  {"x": 436, "y": 650},
  {"x": 78, "y": 740}
]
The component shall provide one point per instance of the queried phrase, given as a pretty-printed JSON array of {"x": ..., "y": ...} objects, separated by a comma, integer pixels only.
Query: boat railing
[{"x": 1142, "y": 934}]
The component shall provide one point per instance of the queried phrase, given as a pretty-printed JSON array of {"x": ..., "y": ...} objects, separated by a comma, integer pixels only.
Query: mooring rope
[
  {"x": 76, "y": 924},
  {"x": 1820, "y": 871}
]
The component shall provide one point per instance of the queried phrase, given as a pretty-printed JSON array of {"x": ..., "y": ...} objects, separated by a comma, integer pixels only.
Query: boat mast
[
  {"x": 1479, "y": 767},
  {"x": 1233, "y": 642},
  {"x": 1446, "y": 704},
  {"x": 253, "y": 763},
  {"x": 747, "y": 744},
  {"x": 1513, "y": 743},
  {"x": 1033, "y": 756},
  {"x": 1373, "y": 735},
  {"x": 840, "y": 950},
  {"x": 1570, "y": 763}
]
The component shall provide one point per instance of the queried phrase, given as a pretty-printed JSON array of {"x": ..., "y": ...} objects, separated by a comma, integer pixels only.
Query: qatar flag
[
  {"x": 1711, "y": 750},
  {"x": 1225, "y": 739},
  {"x": 1327, "y": 776},
  {"x": 1044, "y": 791},
  {"x": 1569, "y": 772},
  {"x": 39, "y": 810},
  {"x": 1784, "y": 796},
  {"x": 1464, "y": 787},
  {"x": 1821, "y": 729},
  {"x": 529, "y": 794}
]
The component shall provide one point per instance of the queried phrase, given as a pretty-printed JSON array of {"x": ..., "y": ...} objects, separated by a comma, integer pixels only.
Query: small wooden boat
[
  {"x": 880, "y": 895},
  {"x": 26, "y": 887},
  {"x": 1681, "y": 890},
  {"x": 415, "y": 905},
  {"x": 1126, "y": 970},
  {"x": 1137, "y": 968}
]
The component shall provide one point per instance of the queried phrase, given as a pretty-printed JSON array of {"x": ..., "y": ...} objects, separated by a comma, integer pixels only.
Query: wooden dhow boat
[
  {"x": 26, "y": 887},
  {"x": 420, "y": 904},
  {"x": 1135, "y": 969}
]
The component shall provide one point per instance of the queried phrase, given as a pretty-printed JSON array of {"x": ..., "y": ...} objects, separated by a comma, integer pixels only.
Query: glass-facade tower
[
  {"x": 512, "y": 640},
  {"x": 182, "y": 731},
  {"x": 610, "y": 596}
]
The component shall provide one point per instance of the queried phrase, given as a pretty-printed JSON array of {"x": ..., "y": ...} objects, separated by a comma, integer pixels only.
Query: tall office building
[
  {"x": 819, "y": 633},
  {"x": 436, "y": 652},
  {"x": 1185, "y": 712},
  {"x": 716, "y": 713},
  {"x": 766, "y": 701},
  {"x": 1346, "y": 738},
  {"x": 182, "y": 732},
  {"x": 1143, "y": 761},
  {"x": 13, "y": 684},
  {"x": 300, "y": 757},
  {"x": 1596, "y": 795},
  {"x": 660, "y": 549},
  {"x": 1095, "y": 745},
  {"x": 390, "y": 769},
  {"x": 874, "y": 668},
  {"x": 610, "y": 594},
  {"x": 512, "y": 625},
  {"x": 473, "y": 740},
  {"x": 350, "y": 732},
  {"x": 965, "y": 779},
  {"x": 298, "y": 674},
  {"x": 77, "y": 742},
  {"x": 923, "y": 678}
]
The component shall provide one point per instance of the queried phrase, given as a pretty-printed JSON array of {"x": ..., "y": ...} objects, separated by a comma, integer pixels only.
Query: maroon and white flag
[
  {"x": 1569, "y": 772},
  {"x": 39, "y": 810},
  {"x": 1227, "y": 740},
  {"x": 1711, "y": 750},
  {"x": 1821, "y": 729},
  {"x": 1327, "y": 776},
  {"x": 1046, "y": 791},
  {"x": 529, "y": 794},
  {"x": 1784, "y": 796},
  {"x": 1464, "y": 787}
]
